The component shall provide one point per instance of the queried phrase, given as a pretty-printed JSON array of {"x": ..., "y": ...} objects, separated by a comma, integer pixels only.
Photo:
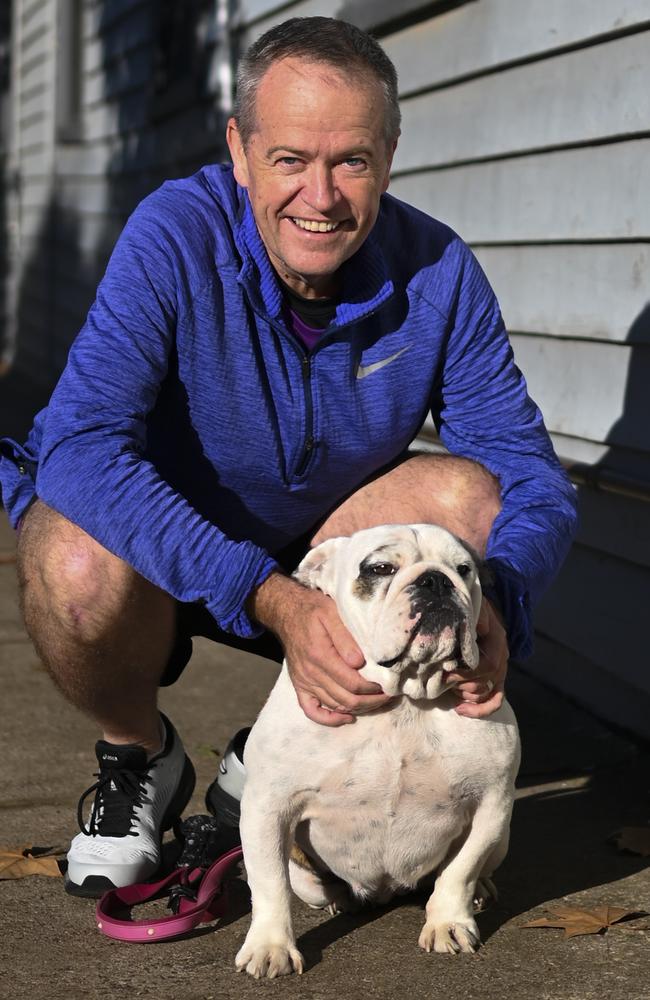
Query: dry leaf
[
  {"x": 19, "y": 862},
  {"x": 576, "y": 921},
  {"x": 635, "y": 839}
]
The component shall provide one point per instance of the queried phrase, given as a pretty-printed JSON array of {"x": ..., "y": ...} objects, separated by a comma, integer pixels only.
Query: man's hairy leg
[
  {"x": 456, "y": 493},
  {"x": 103, "y": 632}
]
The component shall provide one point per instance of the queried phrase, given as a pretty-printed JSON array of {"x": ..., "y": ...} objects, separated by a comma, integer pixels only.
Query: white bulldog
[{"x": 361, "y": 812}]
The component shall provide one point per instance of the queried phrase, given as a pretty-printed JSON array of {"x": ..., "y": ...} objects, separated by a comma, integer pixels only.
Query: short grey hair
[{"x": 322, "y": 40}]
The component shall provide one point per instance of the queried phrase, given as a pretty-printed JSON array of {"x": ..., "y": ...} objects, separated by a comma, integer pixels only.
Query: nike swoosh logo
[{"x": 364, "y": 370}]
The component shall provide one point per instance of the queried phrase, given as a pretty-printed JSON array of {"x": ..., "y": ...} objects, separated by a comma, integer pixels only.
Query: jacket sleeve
[
  {"x": 92, "y": 467},
  {"x": 483, "y": 412}
]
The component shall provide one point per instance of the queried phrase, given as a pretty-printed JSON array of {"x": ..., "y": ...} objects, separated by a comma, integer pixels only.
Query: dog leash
[{"x": 196, "y": 896}]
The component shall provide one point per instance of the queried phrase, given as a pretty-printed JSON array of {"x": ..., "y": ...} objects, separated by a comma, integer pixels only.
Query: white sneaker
[
  {"x": 136, "y": 800},
  {"x": 223, "y": 797}
]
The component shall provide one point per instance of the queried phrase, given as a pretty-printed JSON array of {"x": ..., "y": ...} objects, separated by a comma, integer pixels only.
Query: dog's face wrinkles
[{"x": 410, "y": 595}]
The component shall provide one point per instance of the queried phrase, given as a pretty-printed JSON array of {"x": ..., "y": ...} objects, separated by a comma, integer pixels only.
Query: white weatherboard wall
[
  {"x": 147, "y": 104},
  {"x": 526, "y": 127},
  {"x": 30, "y": 168}
]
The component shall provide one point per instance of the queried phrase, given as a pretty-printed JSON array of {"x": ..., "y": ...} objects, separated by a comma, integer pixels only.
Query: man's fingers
[
  {"x": 478, "y": 694},
  {"x": 339, "y": 699},
  {"x": 341, "y": 690},
  {"x": 473, "y": 688},
  {"x": 343, "y": 642},
  {"x": 479, "y": 710},
  {"x": 324, "y": 661},
  {"x": 317, "y": 713},
  {"x": 342, "y": 683}
]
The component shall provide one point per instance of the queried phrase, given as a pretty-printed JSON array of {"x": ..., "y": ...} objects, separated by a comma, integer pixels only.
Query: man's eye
[{"x": 355, "y": 161}]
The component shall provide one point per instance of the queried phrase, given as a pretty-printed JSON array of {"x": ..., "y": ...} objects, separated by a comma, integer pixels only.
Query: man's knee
[
  {"x": 458, "y": 493},
  {"x": 457, "y": 482},
  {"x": 454, "y": 492},
  {"x": 65, "y": 573}
]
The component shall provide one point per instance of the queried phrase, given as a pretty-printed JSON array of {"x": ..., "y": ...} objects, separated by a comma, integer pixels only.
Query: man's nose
[{"x": 320, "y": 191}]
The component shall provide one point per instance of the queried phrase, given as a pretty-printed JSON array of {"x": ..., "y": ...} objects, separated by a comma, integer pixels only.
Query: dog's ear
[
  {"x": 316, "y": 570},
  {"x": 484, "y": 573}
]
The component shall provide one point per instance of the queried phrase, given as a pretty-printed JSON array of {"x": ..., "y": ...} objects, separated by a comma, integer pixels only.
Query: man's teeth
[{"x": 316, "y": 227}]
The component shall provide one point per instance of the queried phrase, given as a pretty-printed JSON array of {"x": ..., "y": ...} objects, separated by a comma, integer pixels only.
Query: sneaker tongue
[{"x": 130, "y": 756}]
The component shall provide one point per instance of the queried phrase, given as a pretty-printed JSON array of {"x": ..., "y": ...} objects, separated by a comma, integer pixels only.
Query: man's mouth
[{"x": 315, "y": 226}]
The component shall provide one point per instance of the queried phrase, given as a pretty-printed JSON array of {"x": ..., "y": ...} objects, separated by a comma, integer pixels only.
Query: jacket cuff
[
  {"x": 232, "y": 616},
  {"x": 509, "y": 593},
  {"x": 17, "y": 471}
]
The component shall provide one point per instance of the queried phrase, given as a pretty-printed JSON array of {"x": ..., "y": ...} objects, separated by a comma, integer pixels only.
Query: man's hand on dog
[
  {"x": 481, "y": 691},
  {"x": 322, "y": 657},
  {"x": 324, "y": 660}
]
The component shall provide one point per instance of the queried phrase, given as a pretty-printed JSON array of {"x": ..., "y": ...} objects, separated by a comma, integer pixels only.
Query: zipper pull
[{"x": 306, "y": 454}]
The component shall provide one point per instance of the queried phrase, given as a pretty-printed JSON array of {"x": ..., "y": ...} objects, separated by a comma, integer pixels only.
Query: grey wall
[
  {"x": 5, "y": 134},
  {"x": 110, "y": 98}
]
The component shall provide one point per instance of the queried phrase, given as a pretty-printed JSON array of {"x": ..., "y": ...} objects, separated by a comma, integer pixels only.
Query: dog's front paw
[
  {"x": 269, "y": 959},
  {"x": 450, "y": 938}
]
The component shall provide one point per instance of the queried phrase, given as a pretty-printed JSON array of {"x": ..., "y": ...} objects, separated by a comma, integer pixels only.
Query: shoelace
[{"x": 116, "y": 803}]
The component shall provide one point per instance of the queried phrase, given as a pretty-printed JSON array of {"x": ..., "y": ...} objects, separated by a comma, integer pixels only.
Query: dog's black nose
[{"x": 434, "y": 582}]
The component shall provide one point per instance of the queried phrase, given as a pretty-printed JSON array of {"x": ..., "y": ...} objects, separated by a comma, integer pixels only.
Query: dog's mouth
[{"x": 442, "y": 645}]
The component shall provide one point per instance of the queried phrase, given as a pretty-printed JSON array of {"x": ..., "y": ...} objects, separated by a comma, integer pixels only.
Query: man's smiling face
[{"x": 315, "y": 168}]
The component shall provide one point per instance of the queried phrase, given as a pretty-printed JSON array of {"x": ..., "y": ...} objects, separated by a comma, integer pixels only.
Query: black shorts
[{"x": 195, "y": 619}]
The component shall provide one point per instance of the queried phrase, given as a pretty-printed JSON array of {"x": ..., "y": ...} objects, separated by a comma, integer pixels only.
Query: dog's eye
[
  {"x": 380, "y": 569},
  {"x": 464, "y": 569}
]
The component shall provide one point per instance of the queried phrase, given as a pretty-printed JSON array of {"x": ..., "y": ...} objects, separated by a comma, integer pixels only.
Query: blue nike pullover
[{"x": 192, "y": 435}]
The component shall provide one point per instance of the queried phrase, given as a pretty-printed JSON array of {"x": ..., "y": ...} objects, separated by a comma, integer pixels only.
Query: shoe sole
[{"x": 94, "y": 886}]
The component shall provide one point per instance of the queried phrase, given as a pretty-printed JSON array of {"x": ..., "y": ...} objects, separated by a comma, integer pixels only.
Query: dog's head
[{"x": 410, "y": 595}]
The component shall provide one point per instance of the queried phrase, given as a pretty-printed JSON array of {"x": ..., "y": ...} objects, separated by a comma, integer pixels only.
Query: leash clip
[{"x": 178, "y": 893}]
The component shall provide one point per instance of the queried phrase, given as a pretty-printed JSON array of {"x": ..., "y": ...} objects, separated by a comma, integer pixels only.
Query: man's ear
[
  {"x": 391, "y": 153},
  {"x": 237, "y": 152},
  {"x": 317, "y": 569}
]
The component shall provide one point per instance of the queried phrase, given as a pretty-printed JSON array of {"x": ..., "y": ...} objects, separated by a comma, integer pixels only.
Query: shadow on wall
[
  {"x": 5, "y": 75},
  {"x": 632, "y": 430},
  {"x": 161, "y": 103},
  {"x": 594, "y": 611}
]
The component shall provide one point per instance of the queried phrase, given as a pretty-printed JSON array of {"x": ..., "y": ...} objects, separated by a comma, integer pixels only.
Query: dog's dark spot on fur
[
  {"x": 372, "y": 574},
  {"x": 364, "y": 587}
]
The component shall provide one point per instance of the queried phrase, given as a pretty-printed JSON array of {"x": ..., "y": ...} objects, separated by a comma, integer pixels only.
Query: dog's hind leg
[
  {"x": 486, "y": 890},
  {"x": 321, "y": 892}
]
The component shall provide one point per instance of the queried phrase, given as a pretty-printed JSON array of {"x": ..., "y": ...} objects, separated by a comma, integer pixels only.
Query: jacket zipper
[
  {"x": 305, "y": 363},
  {"x": 308, "y": 446},
  {"x": 305, "y": 368}
]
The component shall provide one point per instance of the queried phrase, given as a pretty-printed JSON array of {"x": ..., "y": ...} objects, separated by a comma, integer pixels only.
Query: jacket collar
[{"x": 366, "y": 284}]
